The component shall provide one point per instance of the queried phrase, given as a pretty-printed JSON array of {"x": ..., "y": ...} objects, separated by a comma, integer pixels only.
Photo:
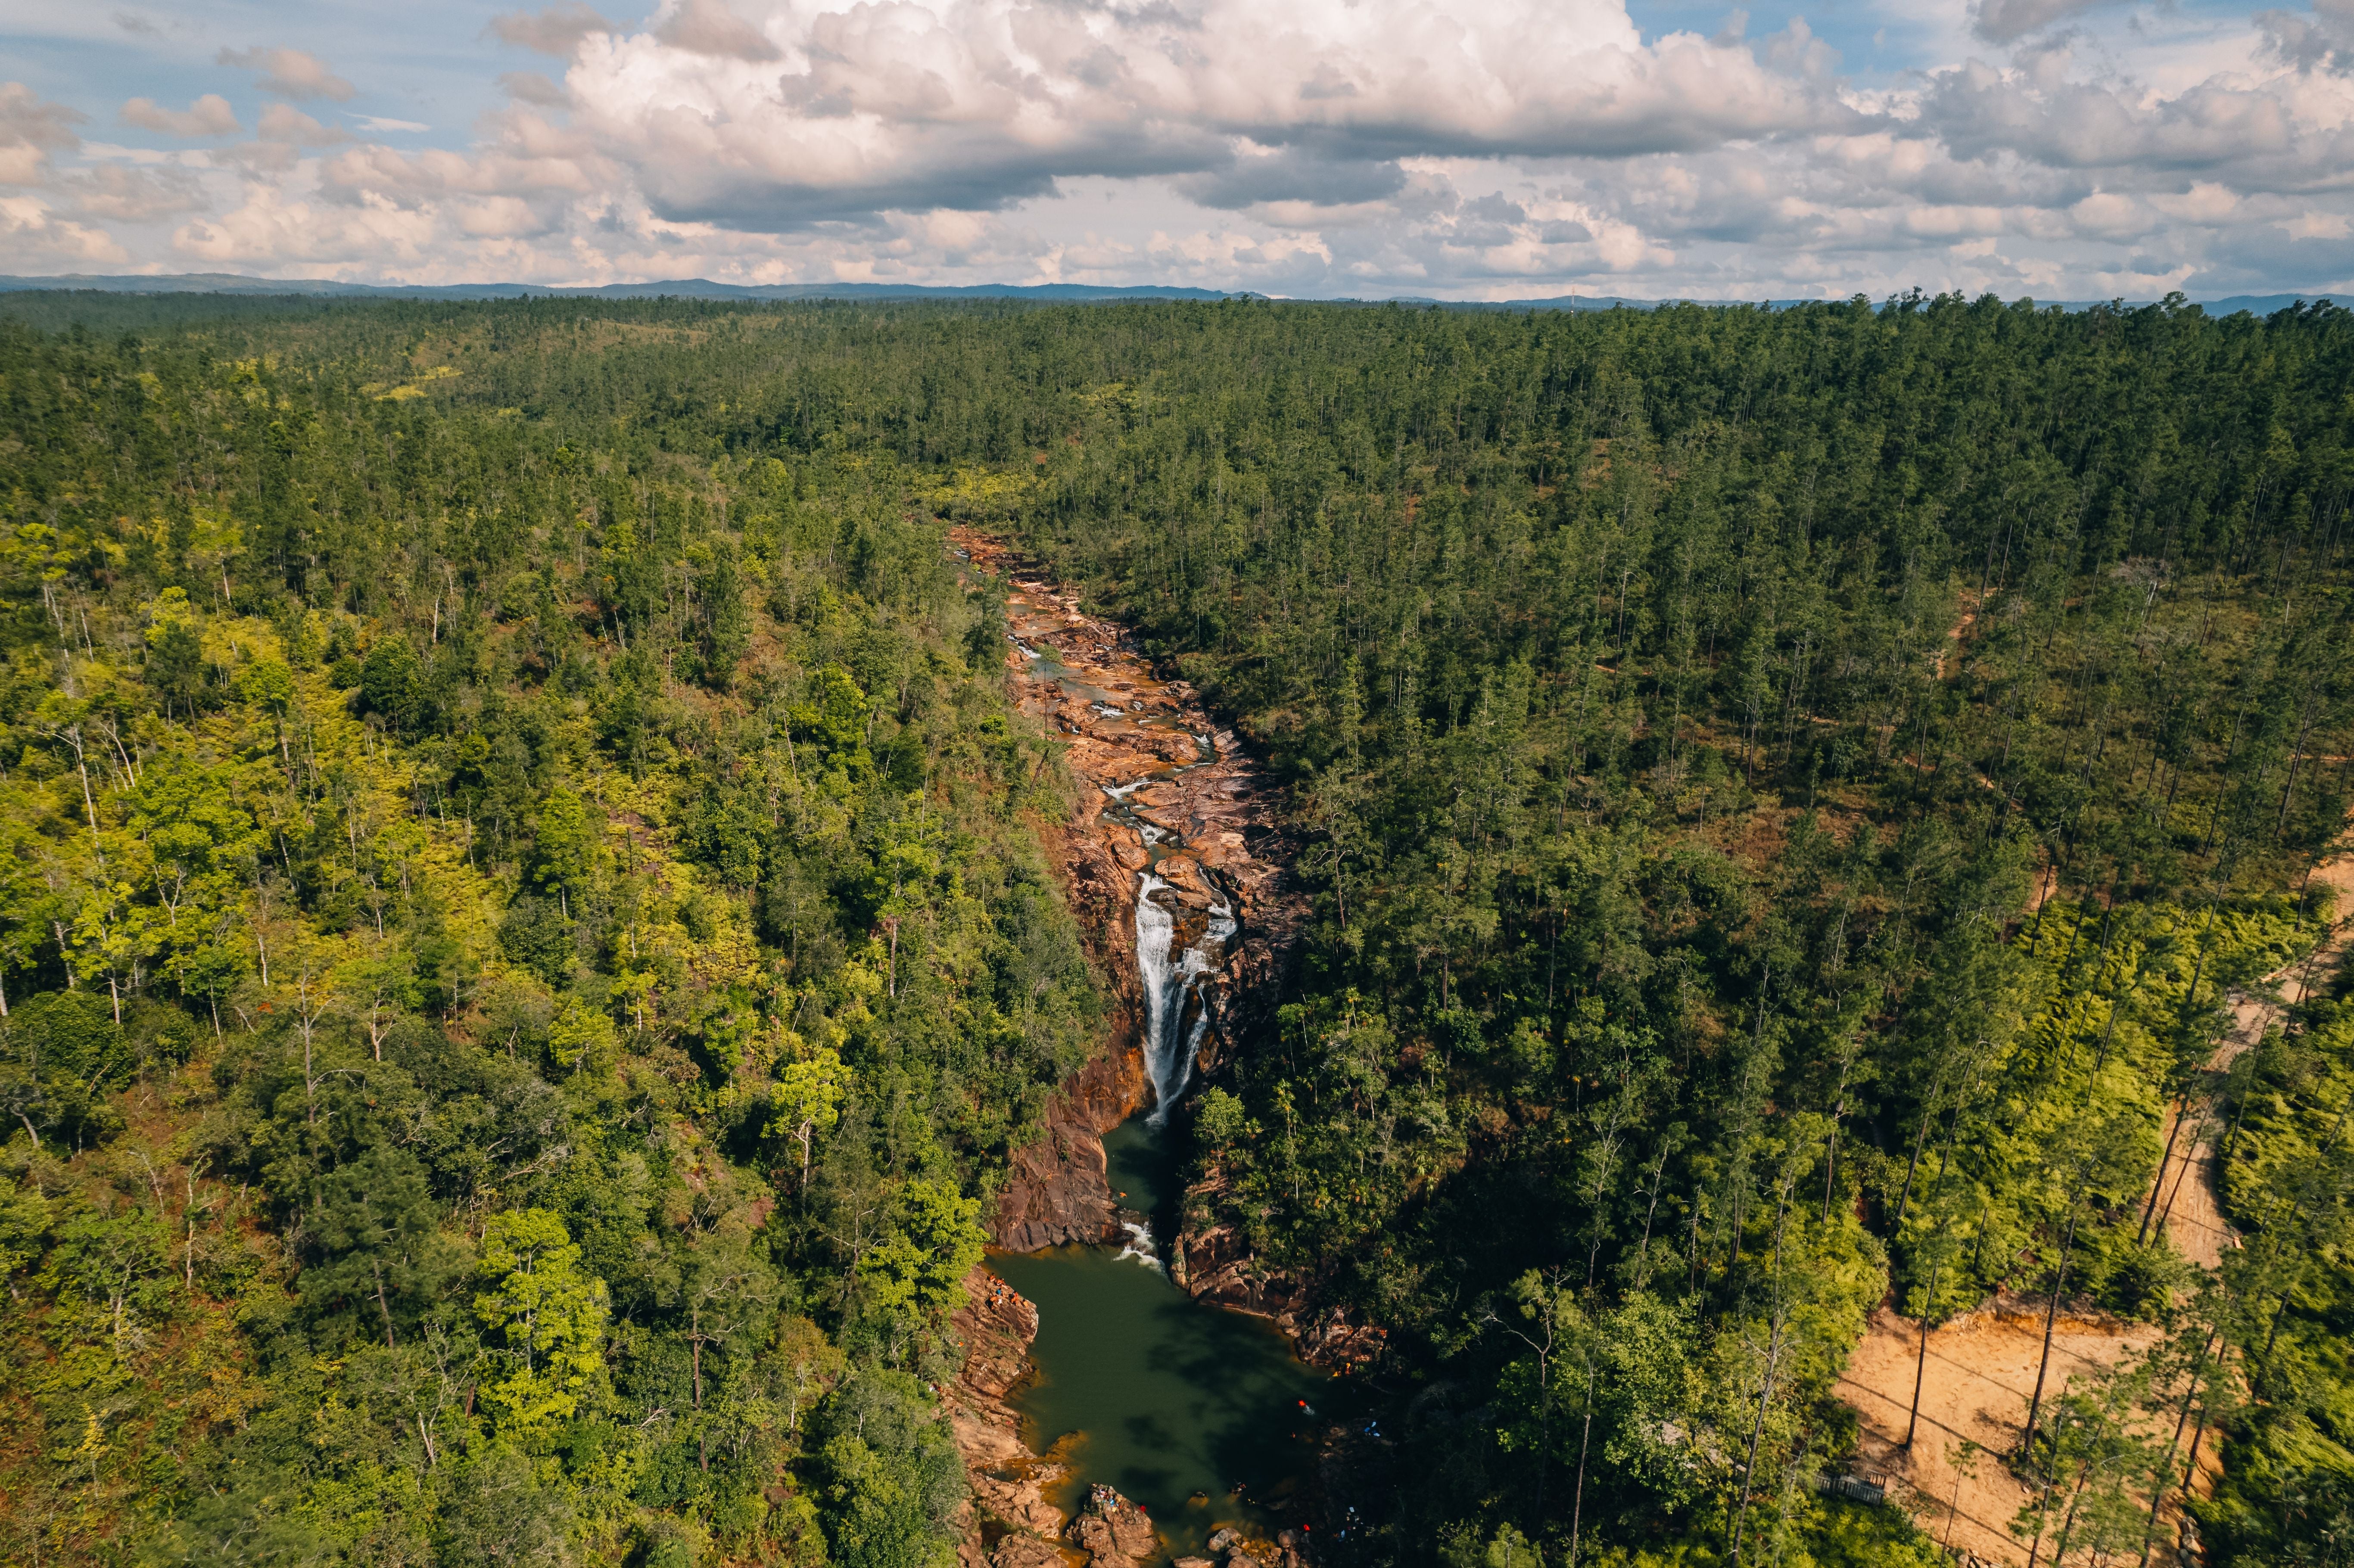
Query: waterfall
[{"x": 1170, "y": 980}]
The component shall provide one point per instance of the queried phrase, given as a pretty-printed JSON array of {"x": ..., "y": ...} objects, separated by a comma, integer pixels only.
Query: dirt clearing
[
  {"x": 1980, "y": 1371},
  {"x": 1980, "y": 1375}
]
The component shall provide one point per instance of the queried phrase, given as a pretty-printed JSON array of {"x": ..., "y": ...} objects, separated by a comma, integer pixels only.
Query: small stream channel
[{"x": 1201, "y": 1416}]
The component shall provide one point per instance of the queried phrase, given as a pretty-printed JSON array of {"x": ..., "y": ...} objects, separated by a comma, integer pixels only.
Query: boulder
[
  {"x": 1025, "y": 1552},
  {"x": 1186, "y": 883},
  {"x": 1170, "y": 820},
  {"x": 1112, "y": 1531},
  {"x": 1017, "y": 1501}
]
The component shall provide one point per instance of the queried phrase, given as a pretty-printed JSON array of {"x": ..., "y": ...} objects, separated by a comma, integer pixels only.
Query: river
[{"x": 1201, "y": 1416}]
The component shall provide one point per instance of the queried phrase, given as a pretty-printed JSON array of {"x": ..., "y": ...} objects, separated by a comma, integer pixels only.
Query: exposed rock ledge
[
  {"x": 1113, "y": 1532},
  {"x": 996, "y": 1326},
  {"x": 1057, "y": 1190},
  {"x": 1194, "y": 784},
  {"x": 1216, "y": 1264}
]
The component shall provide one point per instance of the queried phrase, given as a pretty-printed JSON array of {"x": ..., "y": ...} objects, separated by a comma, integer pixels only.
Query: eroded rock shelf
[
  {"x": 1162, "y": 787},
  {"x": 1164, "y": 793}
]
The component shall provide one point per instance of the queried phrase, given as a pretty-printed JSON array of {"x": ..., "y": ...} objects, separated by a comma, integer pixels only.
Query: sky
[{"x": 1507, "y": 149}]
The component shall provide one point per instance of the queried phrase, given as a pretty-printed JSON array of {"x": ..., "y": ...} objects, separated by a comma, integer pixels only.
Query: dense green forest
[
  {"x": 523, "y": 955},
  {"x": 526, "y": 948}
]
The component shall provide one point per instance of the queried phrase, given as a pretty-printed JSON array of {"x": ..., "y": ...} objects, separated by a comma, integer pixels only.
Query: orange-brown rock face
[
  {"x": 996, "y": 1326},
  {"x": 1113, "y": 1532},
  {"x": 1027, "y": 1551},
  {"x": 1193, "y": 807},
  {"x": 1057, "y": 1190}
]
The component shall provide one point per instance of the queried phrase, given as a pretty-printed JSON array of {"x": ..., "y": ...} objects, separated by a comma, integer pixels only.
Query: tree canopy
[{"x": 1787, "y": 798}]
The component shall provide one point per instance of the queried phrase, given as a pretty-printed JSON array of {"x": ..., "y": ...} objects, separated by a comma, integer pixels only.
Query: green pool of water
[{"x": 1192, "y": 1412}]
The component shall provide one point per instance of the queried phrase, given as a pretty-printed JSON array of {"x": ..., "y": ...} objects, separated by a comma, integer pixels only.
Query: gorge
[{"x": 1133, "y": 1374}]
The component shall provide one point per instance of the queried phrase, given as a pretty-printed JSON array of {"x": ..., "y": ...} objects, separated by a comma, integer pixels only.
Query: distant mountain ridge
[
  {"x": 679, "y": 288},
  {"x": 704, "y": 289},
  {"x": 2229, "y": 304}
]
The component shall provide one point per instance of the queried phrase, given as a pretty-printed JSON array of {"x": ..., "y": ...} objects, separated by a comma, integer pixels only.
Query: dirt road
[{"x": 1980, "y": 1370}]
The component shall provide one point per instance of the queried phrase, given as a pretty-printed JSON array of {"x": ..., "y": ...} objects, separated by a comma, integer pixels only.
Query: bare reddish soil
[{"x": 1980, "y": 1371}]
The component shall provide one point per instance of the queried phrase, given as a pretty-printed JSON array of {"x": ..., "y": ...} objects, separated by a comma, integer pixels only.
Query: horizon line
[{"x": 239, "y": 283}]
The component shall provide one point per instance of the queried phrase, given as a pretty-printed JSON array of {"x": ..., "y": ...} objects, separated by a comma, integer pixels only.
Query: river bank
[
  {"x": 1176, "y": 829},
  {"x": 1173, "y": 859}
]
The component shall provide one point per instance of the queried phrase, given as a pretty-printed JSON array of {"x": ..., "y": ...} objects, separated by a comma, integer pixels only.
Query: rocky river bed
[
  {"x": 1175, "y": 833},
  {"x": 1175, "y": 861}
]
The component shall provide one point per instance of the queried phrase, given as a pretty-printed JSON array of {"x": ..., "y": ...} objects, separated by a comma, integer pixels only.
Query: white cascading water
[
  {"x": 1169, "y": 1042},
  {"x": 1141, "y": 1245}
]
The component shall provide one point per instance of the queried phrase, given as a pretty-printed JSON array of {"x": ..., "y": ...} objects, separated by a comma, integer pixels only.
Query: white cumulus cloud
[
  {"x": 558, "y": 30},
  {"x": 767, "y": 117},
  {"x": 289, "y": 73},
  {"x": 209, "y": 115},
  {"x": 1511, "y": 147},
  {"x": 31, "y": 129}
]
